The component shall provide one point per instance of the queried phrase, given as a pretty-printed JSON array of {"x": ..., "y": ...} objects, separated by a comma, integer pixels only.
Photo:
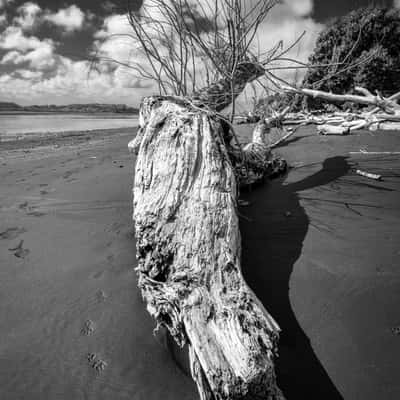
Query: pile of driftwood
[
  {"x": 385, "y": 115},
  {"x": 189, "y": 168}
]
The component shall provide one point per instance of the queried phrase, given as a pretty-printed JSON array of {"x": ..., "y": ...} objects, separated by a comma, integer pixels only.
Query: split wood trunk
[{"x": 189, "y": 248}]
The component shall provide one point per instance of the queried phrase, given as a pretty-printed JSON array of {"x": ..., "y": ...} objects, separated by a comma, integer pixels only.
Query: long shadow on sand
[{"x": 272, "y": 242}]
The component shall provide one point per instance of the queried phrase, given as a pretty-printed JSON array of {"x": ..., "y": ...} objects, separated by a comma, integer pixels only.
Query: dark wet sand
[
  {"x": 320, "y": 249},
  {"x": 74, "y": 215}
]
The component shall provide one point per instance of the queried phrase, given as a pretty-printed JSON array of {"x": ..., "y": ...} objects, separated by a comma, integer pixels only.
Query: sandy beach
[{"x": 320, "y": 249}]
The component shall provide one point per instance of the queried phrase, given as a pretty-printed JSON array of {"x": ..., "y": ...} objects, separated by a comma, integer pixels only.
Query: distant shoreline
[
  {"x": 37, "y": 126},
  {"x": 105, "y": 113},
  {"x": 8, "y": 107},
  {"x": 61, "y": 138}
]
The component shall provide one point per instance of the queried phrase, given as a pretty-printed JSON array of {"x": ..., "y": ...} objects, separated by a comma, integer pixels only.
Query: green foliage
[{"x": 360, "y": 49}]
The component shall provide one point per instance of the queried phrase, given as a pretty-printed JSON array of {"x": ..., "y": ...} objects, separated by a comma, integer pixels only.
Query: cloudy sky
[{"x": 45, "y": 46}]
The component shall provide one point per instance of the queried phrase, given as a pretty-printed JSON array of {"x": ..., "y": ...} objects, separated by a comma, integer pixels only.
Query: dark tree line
[{"x": 359, "y": 49}]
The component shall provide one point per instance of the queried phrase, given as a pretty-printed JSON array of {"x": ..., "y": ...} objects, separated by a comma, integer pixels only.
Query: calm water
[{"x": 22, "y": 124}]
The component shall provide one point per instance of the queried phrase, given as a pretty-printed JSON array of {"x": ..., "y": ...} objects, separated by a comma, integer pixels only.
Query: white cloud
[
  {"x": 113, "y": 25},
  {"x": 5, "y": 79},
  {"x": 40, "y": 58},
  {"x": 10, "y": 57},
  {"x": 109, "y": 43},
  {"x": 28, "y": 74},
  {"x": 70, "y": 81},
  {"x": 28, "y": 15},
  {"x": 26, "y": 49},
  {"x": 13, "y": 38},
  {"x": 285, "y": 22},
  {"x": 71, "y": 18},
  {"x": 301, "y": 7},
  {"x": 49, "y": 77},
  {"x": 3, "y": 19},
  {"x": 288, "y": 31}
]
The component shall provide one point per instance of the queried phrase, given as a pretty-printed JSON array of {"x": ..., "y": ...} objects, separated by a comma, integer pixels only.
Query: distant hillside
[
  {"x": 9, "y": 107},
  {"x": 71, "y": 108}
]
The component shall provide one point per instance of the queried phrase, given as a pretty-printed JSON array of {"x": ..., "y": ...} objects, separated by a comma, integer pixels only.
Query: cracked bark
[{"x": 189, "y": 245}]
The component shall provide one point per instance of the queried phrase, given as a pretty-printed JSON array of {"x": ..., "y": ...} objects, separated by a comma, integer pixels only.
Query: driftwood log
[
  {"x": 188, "y": 246},
  {"x": 366, "y": 97},
  {"x": 385, "y": 116}
]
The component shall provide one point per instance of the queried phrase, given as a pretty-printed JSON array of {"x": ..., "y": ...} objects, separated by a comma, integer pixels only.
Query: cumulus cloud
[
  {"x": 14, "y": 38},
  {"x": 41, "y": 58},
  {"x": 44, "y": 76},
  {"x": 28, "y": 15},
  {"x": 285, "y": 23},
  {"x": 111, "y": 41},
  {"x": 300, "y": 7},
  {"x": 39, "y": 54},
  {"x": 71, "y": 83},
  {"x": 70, "y": 19},
  {"x": 28, "y": 74},
  {"x": 9, "y": 57},
  {"x": 287, "y": 27}
]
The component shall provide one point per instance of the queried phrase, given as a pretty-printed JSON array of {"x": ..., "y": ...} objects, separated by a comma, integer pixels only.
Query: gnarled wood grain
[{"x": 188, "y": 248}]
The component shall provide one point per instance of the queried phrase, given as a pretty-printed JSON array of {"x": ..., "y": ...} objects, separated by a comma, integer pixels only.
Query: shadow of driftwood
[
  {"x": 292, "y": 141},
  {"x": 272, "y": 241}
]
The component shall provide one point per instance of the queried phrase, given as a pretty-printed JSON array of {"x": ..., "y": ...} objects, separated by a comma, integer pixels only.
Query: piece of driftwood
[
  {"x": 385, "y": 126},
  {"x": 369, "y": 175},
  {"x": 366, "y": 97},
  {"x": 342, "y": 123},
  {"x": 375, "y": 153},
  {"x": 188, "y": 248},
  {"x": 392, "y": 98},
  {"x": 333, "y": 130}
]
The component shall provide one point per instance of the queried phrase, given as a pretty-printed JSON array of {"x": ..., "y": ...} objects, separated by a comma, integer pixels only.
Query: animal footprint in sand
[
  {"x": 11, "y": 233},
  {"x": 19, "y": 251},
  {"x": 396, "y": 330},
  {"x": 88, "y": 328},
  {"x": 67, "y": 174},
  {"x": 101, "y": 296},
  {"x": 30, "y": 210},
  {"x": 23, "y": 206},
  {"x": 36, "y": 214},
  {"x": 96, "y": 363}
]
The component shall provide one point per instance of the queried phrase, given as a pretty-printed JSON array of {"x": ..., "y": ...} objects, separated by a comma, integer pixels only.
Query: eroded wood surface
[{"x": 188, "y": 248}]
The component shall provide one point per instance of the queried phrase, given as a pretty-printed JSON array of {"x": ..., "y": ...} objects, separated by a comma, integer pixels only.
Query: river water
[{"x": 20, "y": 125}]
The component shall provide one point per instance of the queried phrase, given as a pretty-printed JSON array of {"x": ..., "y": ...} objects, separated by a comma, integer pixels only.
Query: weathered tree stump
[{"x": 189, "y": 248}]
